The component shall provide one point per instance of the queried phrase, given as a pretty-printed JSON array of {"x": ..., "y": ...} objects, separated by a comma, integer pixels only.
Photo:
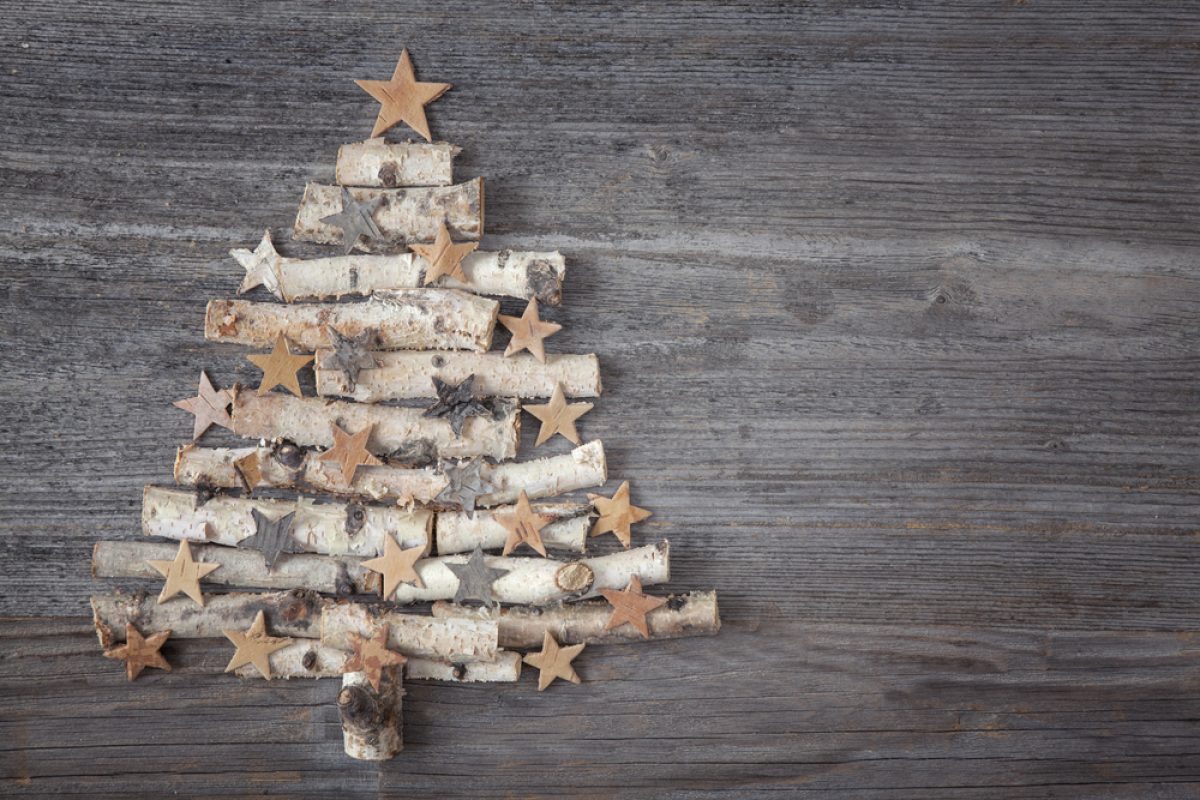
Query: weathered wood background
[{"x": 896, "y": 304}]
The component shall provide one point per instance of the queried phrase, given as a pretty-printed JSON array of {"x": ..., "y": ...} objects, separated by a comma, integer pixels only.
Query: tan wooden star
[
  {"x": 350, "y": 451},
  {"x": 280, "y": 367},
  {"x": 209, "y": 407},
  {"x": 403, "y": 98},
  {"x": 182, "y": 574},
  {"x": 523, "y": 526},
  {"x": 558, "y": 417},
  {"x": 396, "y": 565},
  {"x": 528, "y": 332},
  {"x": 554, "y": 662},
  {"x": 631, "y": 605},
  {"x": 139, "y": 653},
  {"x": 370, "y": 656},
  {"x": 444, "y": 256},
  {"x": 617, "y": 514},
  {"x": 254, "y": 646}
]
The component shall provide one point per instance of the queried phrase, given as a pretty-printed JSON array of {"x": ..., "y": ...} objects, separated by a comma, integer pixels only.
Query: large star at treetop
[{"x": 403, "y": 98}]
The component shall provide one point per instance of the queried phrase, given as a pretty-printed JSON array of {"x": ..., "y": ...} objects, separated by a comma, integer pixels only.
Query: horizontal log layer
[
  {"x": 406, "y": 215},
  {"x": 692, "y": 614},
  {"x": 551, "y": 476},
  {"x": 348, "y": 528},
  {"x": 312, "y": 659},
  {"x": 454, "y": 640},
  {"x": 308, "y": 421},
  {"x": 405, "y": 319},
  {"x": 243, "y": 569},
  {"x": 404, "y": 374},
  {"x": 392, "y": 165},
  {"x": 461, "y": 531}
]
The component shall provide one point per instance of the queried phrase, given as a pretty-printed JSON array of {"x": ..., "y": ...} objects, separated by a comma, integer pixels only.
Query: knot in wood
[
  {"x": 359, "y": 708},
  {"x": 575, "y": 577}
]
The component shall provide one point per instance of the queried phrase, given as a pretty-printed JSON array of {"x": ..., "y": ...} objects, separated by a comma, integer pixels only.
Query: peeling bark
[
  {"x": 460, "y": 532},
  {"x": 391, "y": 165},
  {"x": 411, "y": 634}
]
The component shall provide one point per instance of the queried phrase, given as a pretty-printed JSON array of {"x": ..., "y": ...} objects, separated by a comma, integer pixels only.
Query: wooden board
[{"x": 896, "y": 306}]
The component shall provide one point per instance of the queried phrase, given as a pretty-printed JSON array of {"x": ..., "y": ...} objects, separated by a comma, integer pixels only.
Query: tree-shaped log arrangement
[{"x": 316, "y": 548}]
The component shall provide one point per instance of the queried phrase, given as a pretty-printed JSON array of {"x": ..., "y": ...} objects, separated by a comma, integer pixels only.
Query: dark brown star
[
  {"x": 456, "y": 402},
  {"x": 139, "y": 653}
]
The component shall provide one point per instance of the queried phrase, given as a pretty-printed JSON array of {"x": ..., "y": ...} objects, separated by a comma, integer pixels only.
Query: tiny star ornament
[
  {"x": 371, "y": 656},
  {"x": 444, "y": 256},
  {"x": 349, "y": 451},
  {"x": 528, "y": 332},
  {"x": 558, "y": 416},
  {"x": 403, "y": 98},
  {"x": 209, "y": 407},
  {"x": 271, "y": 537},
  {"x": 554, "y": 662},
  {"x": 464, "y": 484},
  {"x": 631, "y": 605},
  {"x": 139, "y": 653},
  {"x": 617, "y": 514},
  {"x": 396, "y": 565},
  {"x": 261, "y": 265},
  {"x": 351, "y": 354},
  {"x": 456, "y": 402},
  {"x": 280, "y": 368},
  {"x": 254, "y": 646},
  {"x": 183, "y": 574},
  {"x": 475, "y": 579},
  {"x": 523, "y": 526},
  {"x": 355, "y": 219}
]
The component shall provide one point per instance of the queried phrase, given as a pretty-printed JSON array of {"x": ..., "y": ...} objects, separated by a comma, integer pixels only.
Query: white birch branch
[
  {"x": 547, "y": 477},
  {"x": 372, "y": 721},
  {"x": 461, "y": 532},
  {"x": 411, "y": 634},
  {"x": 391, "y": 165},
  {"x": 311, "y": 659}
]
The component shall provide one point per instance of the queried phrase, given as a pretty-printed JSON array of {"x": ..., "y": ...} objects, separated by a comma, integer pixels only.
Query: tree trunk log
[
  {"x": 547, "y": 477},
  {"x": 311, "y": 659},
  {"x": 338, "y": 528},
  {"x": 407, "y": 215},
  {"x": 459, "y": 640},
  {"x": 391, "y": 165},
  {"x": 692, "y": 614},
  {"x": 406, "y": 319},
  {"x": 372, "y": 721},
  {"x": 461, "y": 532},
  {"x": 404, "y": 374}
]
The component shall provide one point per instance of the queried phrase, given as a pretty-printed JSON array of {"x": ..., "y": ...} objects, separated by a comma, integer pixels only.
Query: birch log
[
  {"x": 288, "y": 467},
  {"x": 506, "y": 273},
  {"x": 311, "y": 659},
  {"x": 404, "y": 374},
  {"x": 372, "y": 721},
  {"x": 536, "y": 580},
  {"x": 390, "y": 165},
  {"x": 461, "y": 532},
  {"x": 455, "y": 640},
  {"x": 406, "y": 319},
  {"x": 406, "y": 215},
  {"x": 296, "y": 613},
  {"x": 692, "y": 614},
  {"x": 240, "y": 568},
  {"x": 339, "y": 528},
  {"x": 306, "y": 421}
]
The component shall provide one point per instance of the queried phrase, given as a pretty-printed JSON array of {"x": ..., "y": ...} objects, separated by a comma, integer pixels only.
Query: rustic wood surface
[{"x": 896, "y": 310}]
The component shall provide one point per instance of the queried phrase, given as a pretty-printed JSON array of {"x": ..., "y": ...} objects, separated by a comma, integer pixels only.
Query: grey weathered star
[
  {"x": 349, "y": 354},
  {"x": 465, "y": 483},
  {"x": 272, "y": 536},
  {"x": 456, "y": 402},
  {"x": 261, "y": 265},
  {"x": 475, "y": 579},
  {"x": 355, "y": 219}
]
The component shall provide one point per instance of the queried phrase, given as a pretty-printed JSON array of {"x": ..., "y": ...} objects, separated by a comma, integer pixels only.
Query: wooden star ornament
[
  {"x": 631, "y": 605},
  {"x": 554, "y": 662},
  {"x": 371, "y": 656},
  {"x": 261, "y": 265},
  {"x": 617, "y": 514},
  {"x": 475, "y": 579},
  {"x": 254, "y": 646},
  {"x": 183, "y": 574},
  {"x": 444, "y": 256},
  {"x": 349, "y": 451},
  {"x": 209, "y": 407},
  {"x": 523, "y": 526},
  {"x": 396, "y": 565},
  {"x": 403, "y": 98},
  {"x": 140, "y": 652},
  {"x": 528, "y": 332},
  {"x": 558, "y": 416},
  {"x": 280, "y": 367}
]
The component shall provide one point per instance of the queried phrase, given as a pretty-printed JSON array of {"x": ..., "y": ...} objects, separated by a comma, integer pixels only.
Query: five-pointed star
[
  {"x": 254, "y": 646},
  {"x": 456, "y": 402},
  {"x": 271, "y": 536},
  {"x": 403, "y": 98},
  {"x": 209, "y": 407},
  {"x": 261, "y": 265},
  {"x": 355, "y": 219},
  {"x": 464, "y": 483},
  {"x": 350, "y": 451},
  {"x": 554, "y": 662},
  {"x": 396, "y": 565},
  {"x": 523, "y": 526},
  {"x": 558, "y": 417},
  {"x": 475, "y": 579},
  {"x": 280, "y": 367},
  {"x": 528, "y": 332},
  {"x": 139, "y": 653},
  {"x": 617, "y": 514},
  {"x": 182, "y": 574},
  {"x": 631, "y": 605},
  {"x": 444, "y": 257},
  {"x": 371, "y": 655},
  {"x": 350, "y": 354}
]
